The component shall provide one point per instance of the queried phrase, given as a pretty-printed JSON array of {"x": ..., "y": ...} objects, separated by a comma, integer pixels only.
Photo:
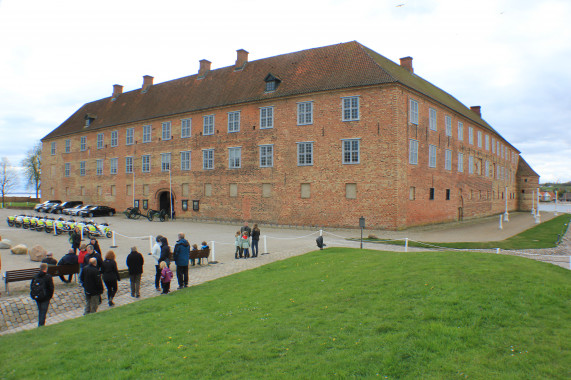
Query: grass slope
[{"x": 333, "y": 313}]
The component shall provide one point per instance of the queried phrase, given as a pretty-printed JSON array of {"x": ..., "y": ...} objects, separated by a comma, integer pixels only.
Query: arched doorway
[{"x": 165, "y": 202}]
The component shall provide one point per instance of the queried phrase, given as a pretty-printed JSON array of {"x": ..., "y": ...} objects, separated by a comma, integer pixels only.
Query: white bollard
[
  {"x": 501, "y": 227},
  {"x": 55, "y": 228},
  {"x": 113, "y": 245},
  {"x": 81, "y": 231},
  {"x": 150, "y": 243},
  {"x": 265, "y": 246},
  {"x": 213, "y": 253},
  {"x": 406, "y": 244}
]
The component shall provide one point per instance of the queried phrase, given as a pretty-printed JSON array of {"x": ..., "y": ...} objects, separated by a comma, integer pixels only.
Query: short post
[
  {"x": 265, "y": 246},
  {"x": 362, "y": 225},
  {"x": 113, "y": 245},
  {"x": 506, "y": 214},
  {"x": 537, "y": 213},
  {"x": 501, "y": 227},
  {"x": 81, "y": 232},
  {"x": 55, "y": 228},
  {"x": 213, "y": 253},
  {"x": 533, "y": 202},
  {"x": 406, "y": 244},
  {"x": 320, "y": 232}
]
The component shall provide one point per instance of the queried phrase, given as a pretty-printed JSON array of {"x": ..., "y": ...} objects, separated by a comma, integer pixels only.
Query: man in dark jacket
[
  {"x": 135, "y": 263},
  {"x": 70, "y": 258},
  {"x": 181, "y": 258},
  {"x": 92, "y": 253},
  {"x": 49, "y": 259},
  {"x": 93, "y": 286},
  {"x": 45, "y": 281}
]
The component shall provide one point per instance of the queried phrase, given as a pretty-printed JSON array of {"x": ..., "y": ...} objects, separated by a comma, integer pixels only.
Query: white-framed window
[
  {"x": 266, "y": 117},
  {"x": 460, "y": 162},
  {"x": 470, "y": 135},
  {"x": 503, "y": 150},
  {"x": 185, "y": 128},
  {"x": 234, "y": 158},
  {"x": 471, "y": 164},
  {"x": 305, "y": 153},
  {"x": 129, "y": 136},
  {"x": 83, "y": 143},
  {"x": 100, "y": 140},
  {"x": 208, "y": 159},
  {"x": 413, "y": 111},
  {"x": 233, "y": 121},
  {"x": 448, "y": 159},
  {"x": 413, "y": 152},
  {"x": 304, "y": 113},
  {"x": 166, "y": 131},
  {"x": 67, "y": 170},
  {"x": 53, "y": 148},
  {"x": 185, "y": 160},
  {"x": 129, "y": 164},
  {"x": 68, "y": 146},
  {"x": 432, "y": 119},
  {"x": 351, "y": 151},
  {"x": 99, "y": 167},
  {"x": 498, "y": 171},
  {"x": 208, "y": 125},
  {"x": 114, "y": 138},
  {"x": 460, "y": 131},
  {"x": 350, "y": 108},
  {"x": 487, "y": 168},
  {"x": 487, "y": 142},
  {"x": 146, "y": 163},
  {"x": 480, "y": 139},
  {"x": 82, "y": 165},
  {"x": 165, "y": 162},
  {"x": 266, "y": 156},
  {"x": 448, "y": 124},
  {"x": 113, "y": 164},
  {"x": 147, "y": 135},
  {"x": 493, "y": 145},
  {"x": 431, "y": 156},
  {"x": 498, "y": 147}
]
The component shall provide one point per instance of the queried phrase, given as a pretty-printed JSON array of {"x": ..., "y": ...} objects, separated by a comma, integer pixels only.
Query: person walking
[
  {"x": 110, "y": 276},
  {"x": 182, "y": 258},
  {"x": 70, "y": 258},
  {"x": 156, "y": 253},
  {"x": 42, "y": 291},
  {"x": 92, "y": 285},
  {"x": 255, "y": 239},
  {"x": 135, "y": 263}
]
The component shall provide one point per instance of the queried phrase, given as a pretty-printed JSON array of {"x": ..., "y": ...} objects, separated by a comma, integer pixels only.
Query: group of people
[{"x": 245, "y": 239}]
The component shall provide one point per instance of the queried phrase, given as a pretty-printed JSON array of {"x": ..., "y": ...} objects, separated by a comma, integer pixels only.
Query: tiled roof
[
  {"x": 327, "y": 68},
  {"x": 523, "y": 169}
]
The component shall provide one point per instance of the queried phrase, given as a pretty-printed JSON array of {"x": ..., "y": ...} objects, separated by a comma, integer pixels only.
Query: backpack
[
  {"x": 167, "y": 277},
  {"x": 38, "y": 290}
]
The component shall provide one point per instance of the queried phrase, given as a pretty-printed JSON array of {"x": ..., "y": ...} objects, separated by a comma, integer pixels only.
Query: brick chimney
[
  {"x": 406, "y": 62},
  {"x": 117, "y": 90},
  {"x": 476, "y": 110},
  {"x": 241, "y": 60},
  {"x": 204, "y": 68},
  {"x": 147, "y": 82}
]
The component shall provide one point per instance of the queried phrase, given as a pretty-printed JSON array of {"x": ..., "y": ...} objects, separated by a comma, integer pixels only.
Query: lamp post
[
  {"x": 506, "y": 215},
  {"x": 362, "y": 225},
  {"x": 532, "y": 202}
]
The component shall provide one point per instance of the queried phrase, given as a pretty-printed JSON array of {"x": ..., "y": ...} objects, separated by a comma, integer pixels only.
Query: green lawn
[
  {"x": 544, "y": 235},
  {"x": 337, "y": 313}
]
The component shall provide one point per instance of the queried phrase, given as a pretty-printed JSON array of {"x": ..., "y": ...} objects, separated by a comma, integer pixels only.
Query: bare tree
[
  {"x": 32, "y": 168},
  {"x": 8, "y": 178}
]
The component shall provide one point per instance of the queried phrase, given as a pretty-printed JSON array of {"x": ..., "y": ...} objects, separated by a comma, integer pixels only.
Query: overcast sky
[{"x": 512, "y": 57}]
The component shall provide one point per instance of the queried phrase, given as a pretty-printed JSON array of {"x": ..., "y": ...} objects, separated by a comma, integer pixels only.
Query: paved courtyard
[{"x": 281, "y": 242}]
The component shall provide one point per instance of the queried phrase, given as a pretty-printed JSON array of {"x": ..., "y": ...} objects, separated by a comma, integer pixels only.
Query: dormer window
[
  {"x": 89, "y": 118},
  {"x": 272, "y": 83}
]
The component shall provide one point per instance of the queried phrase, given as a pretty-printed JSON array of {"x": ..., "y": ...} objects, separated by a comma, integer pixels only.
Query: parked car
[
  {"x": 58, "y": 208},
  {"x": 97, "y": 211},
  {"x": 42, "y": 206},
  {"x": 75, "y": 211},
  {"x": 69, "y": 210}
]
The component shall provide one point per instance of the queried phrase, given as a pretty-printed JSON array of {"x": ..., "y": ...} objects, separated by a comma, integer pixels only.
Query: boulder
[
  {"x": 5, "y": 244},
  {"x": 37, "y": 253},
  {"x": 19, "y": 249}
]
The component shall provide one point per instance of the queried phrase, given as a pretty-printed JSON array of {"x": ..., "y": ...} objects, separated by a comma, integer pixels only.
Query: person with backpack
[
  {"x": 42, "y": 291},
  {"x": 166, "y": 277}
]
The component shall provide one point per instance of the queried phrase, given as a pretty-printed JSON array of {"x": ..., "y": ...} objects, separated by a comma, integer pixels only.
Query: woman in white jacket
[{"x": 156, "y": 253}]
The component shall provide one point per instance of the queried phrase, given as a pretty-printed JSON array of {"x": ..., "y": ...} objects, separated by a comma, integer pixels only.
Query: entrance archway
[{"x": 165, "y": 201}]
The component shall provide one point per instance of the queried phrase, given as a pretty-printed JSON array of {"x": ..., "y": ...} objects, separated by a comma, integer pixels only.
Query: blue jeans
[
  {"x": 255, "y": 248},
  {"x": 42, "y": 311}
]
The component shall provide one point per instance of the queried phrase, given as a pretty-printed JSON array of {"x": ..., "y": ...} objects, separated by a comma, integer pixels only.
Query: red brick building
[{"x": 317, "y": 137}]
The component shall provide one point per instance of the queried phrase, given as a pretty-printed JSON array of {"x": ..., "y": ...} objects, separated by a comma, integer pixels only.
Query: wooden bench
[
  {"x": 123, "y": 273},
  {"x": 28, "y": 274},
  {"x": 200, "y": 254}
]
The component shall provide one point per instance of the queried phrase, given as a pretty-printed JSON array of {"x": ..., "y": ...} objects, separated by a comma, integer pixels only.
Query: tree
[
  {"x": 32, "y": 168},
  {"x": 8, "y": 178}
]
